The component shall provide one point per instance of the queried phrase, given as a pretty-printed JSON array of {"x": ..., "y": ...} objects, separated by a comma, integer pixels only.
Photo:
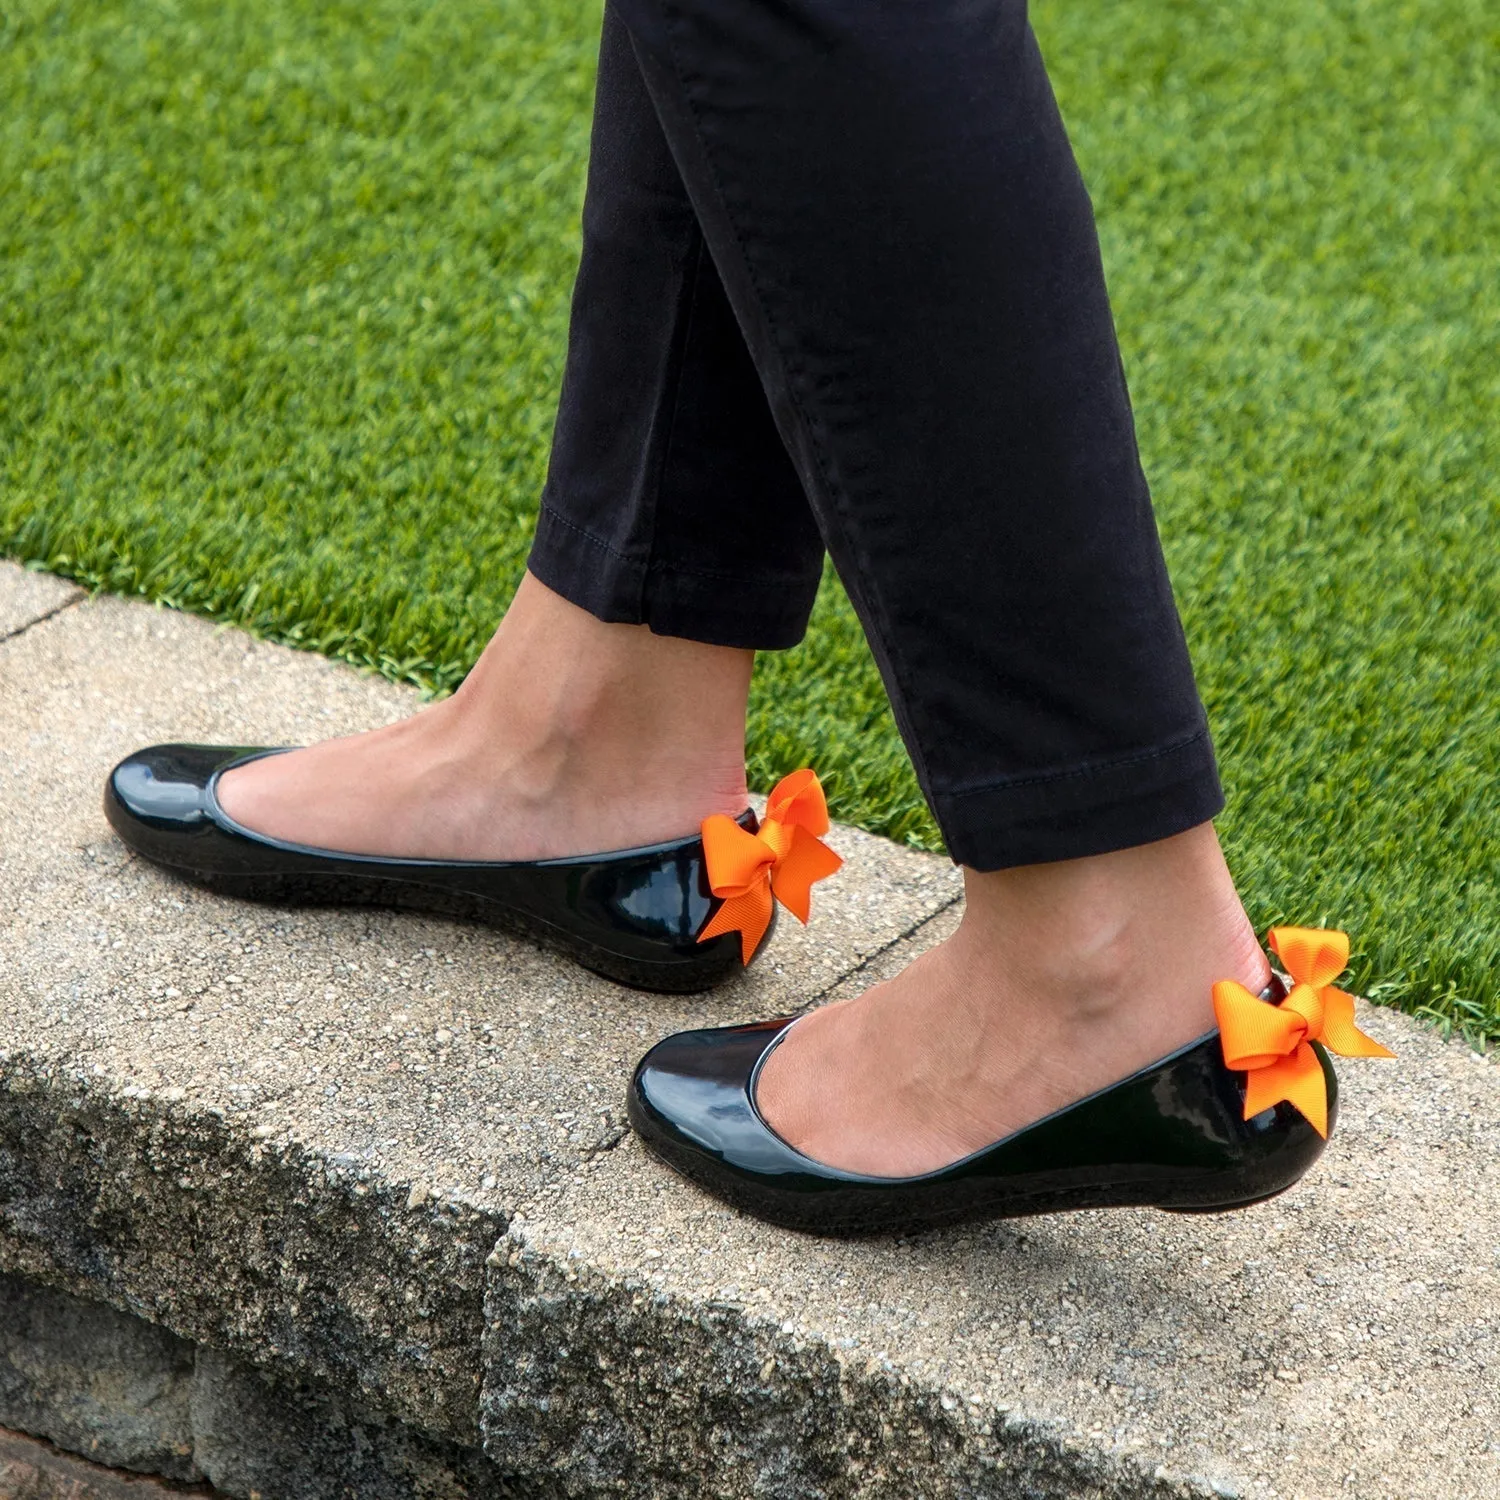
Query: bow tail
[
  {"x": 1298, "y": 1079},
  {"x": 749, "y": 914},
  {"x": 807, "y": 859},
  {"x": 1339, "y": 1031}
]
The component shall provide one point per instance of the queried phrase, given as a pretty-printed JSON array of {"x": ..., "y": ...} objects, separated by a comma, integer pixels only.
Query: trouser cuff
[
  {"x": 1090, "y": 810},
  {"x": 767, "y": 613}
]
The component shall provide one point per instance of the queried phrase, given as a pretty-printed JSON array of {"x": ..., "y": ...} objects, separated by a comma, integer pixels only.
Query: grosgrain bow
[
  {"x": 780, "y": 862},
  {"x": 1273, "y": 1042}
]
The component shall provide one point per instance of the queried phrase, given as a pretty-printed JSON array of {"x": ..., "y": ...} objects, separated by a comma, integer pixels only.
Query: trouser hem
[
  {"x": 1095, "y": 809},
  {"x": 753, "y": 613}
]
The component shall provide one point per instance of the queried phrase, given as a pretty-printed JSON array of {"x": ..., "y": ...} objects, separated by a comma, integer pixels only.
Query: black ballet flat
[
  {"x": 632, "y": 915},
  {"x": 1172, "y": 1136}
]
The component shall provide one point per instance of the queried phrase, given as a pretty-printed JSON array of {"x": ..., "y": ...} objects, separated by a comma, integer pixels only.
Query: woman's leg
[
  {"x": 890, "y": 198},
  {"x": 674, "y": 539}
]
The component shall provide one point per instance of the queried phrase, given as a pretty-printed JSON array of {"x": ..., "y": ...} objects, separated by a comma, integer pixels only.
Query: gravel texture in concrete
[{"x": 299, "y": 1136}]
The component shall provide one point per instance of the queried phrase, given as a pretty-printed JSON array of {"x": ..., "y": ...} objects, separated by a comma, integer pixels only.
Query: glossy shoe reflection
[
  {"x": 632, "y": 915},
  {"x": 1171, "y": 1136}
]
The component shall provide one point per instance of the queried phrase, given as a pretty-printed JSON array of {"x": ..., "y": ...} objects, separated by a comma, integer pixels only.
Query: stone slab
[
  {"x": 297, "y": 1134},
  {"x": 27, "y": 597},
  {"x": 255, "y": 1436},
  {"x": 95, "y": 1381},
  {"x": 1341, "y": 1340},
  {"x": 129, "y": 1396}
]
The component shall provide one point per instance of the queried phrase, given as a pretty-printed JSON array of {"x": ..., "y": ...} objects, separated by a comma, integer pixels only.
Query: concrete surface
[
  {"x": 298, "y": 1136},
  {"x": 27, "y": 597}
]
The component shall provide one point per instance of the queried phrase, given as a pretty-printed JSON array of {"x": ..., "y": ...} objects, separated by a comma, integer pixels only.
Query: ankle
[
  {"x": 1103, "y": 937},
  {"x": 561, "y": 687},
  {"x": 601, "y": 776}
]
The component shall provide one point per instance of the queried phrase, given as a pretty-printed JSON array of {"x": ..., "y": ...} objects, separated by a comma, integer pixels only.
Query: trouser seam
[
  {"x": 1077, "y": 773},
  {"x": 651, "y": 493},
  {"x": 679, "y": 358},
  {"x": 888, "y": 639}
]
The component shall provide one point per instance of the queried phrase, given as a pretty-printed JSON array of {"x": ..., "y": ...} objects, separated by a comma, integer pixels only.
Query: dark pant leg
[
  {"x": 670, "y": 499},
  {"x": 889, "y": 196}
]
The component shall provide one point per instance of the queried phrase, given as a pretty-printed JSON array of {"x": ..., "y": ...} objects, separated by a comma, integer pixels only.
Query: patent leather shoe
[
  {"x": 1171, "y": 1136},
  {"x": 632, "y": 915}
]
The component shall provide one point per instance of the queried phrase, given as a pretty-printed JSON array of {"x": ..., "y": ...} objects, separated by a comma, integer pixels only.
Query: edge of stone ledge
[
  {"x": 605, "y": 1384},
  {"x": 262, "y": 1247}
]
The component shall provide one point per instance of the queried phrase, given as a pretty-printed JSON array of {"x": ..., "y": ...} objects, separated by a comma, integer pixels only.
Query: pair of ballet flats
[{"x": 1233, "y": 1118}]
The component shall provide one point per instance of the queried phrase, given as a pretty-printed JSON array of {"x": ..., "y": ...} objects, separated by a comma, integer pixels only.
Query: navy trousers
[{"x": 840, "y": 288}]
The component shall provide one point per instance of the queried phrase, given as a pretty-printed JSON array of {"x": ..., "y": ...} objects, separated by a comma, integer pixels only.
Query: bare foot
[
  {"x": 1062, "y": 978},
  {"x": 570, "y": 736}
]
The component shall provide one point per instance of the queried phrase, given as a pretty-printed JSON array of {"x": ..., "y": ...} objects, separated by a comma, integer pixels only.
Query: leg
[
  {"x": 890, "y": 198},
  {"x": 674, "y": 539}
]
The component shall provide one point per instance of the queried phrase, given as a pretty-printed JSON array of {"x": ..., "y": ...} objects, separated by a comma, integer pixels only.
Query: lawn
[{"x": 283, "y": 303}]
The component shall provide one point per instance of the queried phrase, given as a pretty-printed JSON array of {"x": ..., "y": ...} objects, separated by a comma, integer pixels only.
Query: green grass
[{"x": 283, "y": 301}]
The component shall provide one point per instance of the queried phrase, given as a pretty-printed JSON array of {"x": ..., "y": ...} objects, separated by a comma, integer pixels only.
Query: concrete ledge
[
  {"x": 606, "y": 1385},
  {"x": 291, "y": 1258},
  {"x": 379, "y": 1162},
  {"x": 1348, "y": 1328}
]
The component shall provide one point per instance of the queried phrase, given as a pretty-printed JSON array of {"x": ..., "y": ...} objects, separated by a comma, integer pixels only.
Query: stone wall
[{"x": 130, "y": 1396}]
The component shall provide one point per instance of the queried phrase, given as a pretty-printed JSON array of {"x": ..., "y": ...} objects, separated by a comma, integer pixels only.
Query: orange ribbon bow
[
  {"x": 782, "y": 860},
  {"x": 1273, "y": 1041}
]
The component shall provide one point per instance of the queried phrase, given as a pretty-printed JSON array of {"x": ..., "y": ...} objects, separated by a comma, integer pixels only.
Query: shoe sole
[
  {"x": 779, "y": 1211},
  {"x": 675, "y": 976},
  {"x": 1220, "y": 1208},
  {"x": 1019, "y": 1207}
]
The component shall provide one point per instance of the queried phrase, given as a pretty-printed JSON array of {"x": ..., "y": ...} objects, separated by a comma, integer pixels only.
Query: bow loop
[
  {"x": 1272, "y": 1042},
  {"x": 779, "y": 862},
  {"x": 1312, "y": 955},
  {"x": 797, "y": 800}
]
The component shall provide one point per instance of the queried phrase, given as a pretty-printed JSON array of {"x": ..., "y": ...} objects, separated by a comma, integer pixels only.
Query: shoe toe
[
  {"x": 690, "y": 1097},
  {"x": 158, "y": 796},
  {"x": 165, "y": 784}
]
